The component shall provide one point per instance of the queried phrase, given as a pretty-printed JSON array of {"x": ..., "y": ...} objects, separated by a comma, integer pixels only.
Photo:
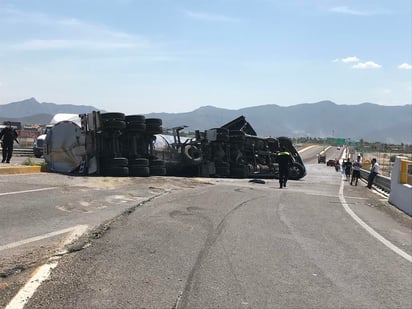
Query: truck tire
[
  {"x": 114, "y": 124},
  {"x": 296, "y": 171},
  {"x": 114, "y": 162},
  {"x": 112, "y": 116},
  {"x": 139, "y": 171},
  {"x": 135, "y": 126},
  {"x": 154, "y": 126},
  {"x": 156, "y": 122},
  {"x": 118, "y": 171},
  {"x": 135, "y": 118},
  {"x": 157, "y": 163},
  {"x": 140, "y": 162},
  {"x": 152, "y": 129},
  {"x": 193, "y": 153}
]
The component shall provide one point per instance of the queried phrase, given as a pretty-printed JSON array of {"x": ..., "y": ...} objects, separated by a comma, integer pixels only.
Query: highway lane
[
  {"x": 38, "y": 211},
  {"x": 234, "y": 244},
  {"x": 309, "y": 154}
]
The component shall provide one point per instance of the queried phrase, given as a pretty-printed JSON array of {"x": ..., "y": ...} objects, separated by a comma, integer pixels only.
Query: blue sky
[{"x": 142, "y": 56}]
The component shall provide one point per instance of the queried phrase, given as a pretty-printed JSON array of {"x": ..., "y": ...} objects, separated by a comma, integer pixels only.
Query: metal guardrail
[
  {"x": 382, "y": 182},
  {"x": 27, "y": 152}
]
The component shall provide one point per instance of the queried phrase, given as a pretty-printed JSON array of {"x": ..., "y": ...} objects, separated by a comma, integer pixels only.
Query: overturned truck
[{"x": 115, "y": 144}]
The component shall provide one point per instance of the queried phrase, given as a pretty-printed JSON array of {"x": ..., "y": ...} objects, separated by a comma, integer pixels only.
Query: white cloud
[
  {"x": 405, "y": 66},
  {"x": 349, "y": 11},
  {"x": 209, "y": 17},
  {"x": 350, "y": 59},
  {"x": 367, "y": 65}
]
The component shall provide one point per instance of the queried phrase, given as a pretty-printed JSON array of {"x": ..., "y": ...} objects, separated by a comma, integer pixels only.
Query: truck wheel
[
  {"x": 193, "y": 153},
  {"x": 135, "y": 118},
  {"x": 112, "y": 116},
  {"x": 139, "y": 171},
  {"x": 141, "y": 162},
  {"x": 154, "y": 125},
  {"x": 152, "y": 129},
  {"x": 115, "y": 171},
  {"x": 157, "y": 163},
  {"x": 156, "y": 122},
  {"x": 296, "y": 171},
  {"x": 114, "y": 124},
  {"x": 114, "y": 162},
  {"x": 135, "y": 126}
]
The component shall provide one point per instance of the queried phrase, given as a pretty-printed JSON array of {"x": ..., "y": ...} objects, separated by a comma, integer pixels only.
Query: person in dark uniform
[
  {"x": 7, "y": 136},
  {"x": 284, "y": 160}
]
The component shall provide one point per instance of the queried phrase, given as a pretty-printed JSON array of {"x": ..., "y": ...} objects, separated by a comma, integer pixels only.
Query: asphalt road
[{"x": 206, "y": 243}]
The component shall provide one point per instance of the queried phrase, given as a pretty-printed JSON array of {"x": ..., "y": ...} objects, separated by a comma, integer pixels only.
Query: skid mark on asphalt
[{"x": 211, "y": 239}]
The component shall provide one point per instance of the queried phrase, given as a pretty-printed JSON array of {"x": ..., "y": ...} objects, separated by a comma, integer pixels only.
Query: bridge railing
[{"x": 382, "y": 182}]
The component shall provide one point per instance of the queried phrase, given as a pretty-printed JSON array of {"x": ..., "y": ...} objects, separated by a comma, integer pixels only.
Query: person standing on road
[
  {"x": 7, "y": 136},
  {"x": 284, "y": 160},
  {"x": 337, "y": 165},
  {"x": 373, "y": 173},
  {"x": 348, "y": 166},
  {"x": 356, "y": 166}
]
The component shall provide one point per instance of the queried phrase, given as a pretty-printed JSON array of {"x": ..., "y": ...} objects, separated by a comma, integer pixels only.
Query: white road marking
[
  {"x": 369, "y": 229},
  {"x": 40, "y": 274},
  {"x": 306, "y": 148},
  {"x": 36, "y": 238},
  {"x": 27, "y": 191},
  {"x": 43, "y": 272}
]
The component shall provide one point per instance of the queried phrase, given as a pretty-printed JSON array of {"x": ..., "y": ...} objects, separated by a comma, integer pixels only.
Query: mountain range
[{"x": 367, "y": 121}]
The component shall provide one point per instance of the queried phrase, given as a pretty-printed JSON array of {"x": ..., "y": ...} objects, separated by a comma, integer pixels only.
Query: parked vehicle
[
  {"x": 331, "y": 162},
  {"x": 321, "y": 158}
]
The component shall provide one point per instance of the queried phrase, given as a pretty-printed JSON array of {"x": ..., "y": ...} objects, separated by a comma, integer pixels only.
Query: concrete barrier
[
  {"x": 401, "y": 191},
  {"x": 20, "y": 169}
]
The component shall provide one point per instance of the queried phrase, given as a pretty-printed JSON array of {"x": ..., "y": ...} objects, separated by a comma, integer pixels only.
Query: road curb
[{"x": 21, "y": 169}]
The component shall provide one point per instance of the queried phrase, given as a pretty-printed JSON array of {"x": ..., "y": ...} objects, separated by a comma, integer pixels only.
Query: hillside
[
  {"x": 29, "y": 108},
  {"x": 371, "y": 122}
]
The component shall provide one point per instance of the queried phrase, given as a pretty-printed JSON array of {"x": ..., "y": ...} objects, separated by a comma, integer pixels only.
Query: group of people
[
  {"x": 353, "y": 169},
  {"x": 7, "y": 136}
]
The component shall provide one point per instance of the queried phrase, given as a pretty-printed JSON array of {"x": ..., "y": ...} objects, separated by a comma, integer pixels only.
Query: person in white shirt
[
  {"x": 373, "y": 173},
  {"x": 356, "y": 166}
]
